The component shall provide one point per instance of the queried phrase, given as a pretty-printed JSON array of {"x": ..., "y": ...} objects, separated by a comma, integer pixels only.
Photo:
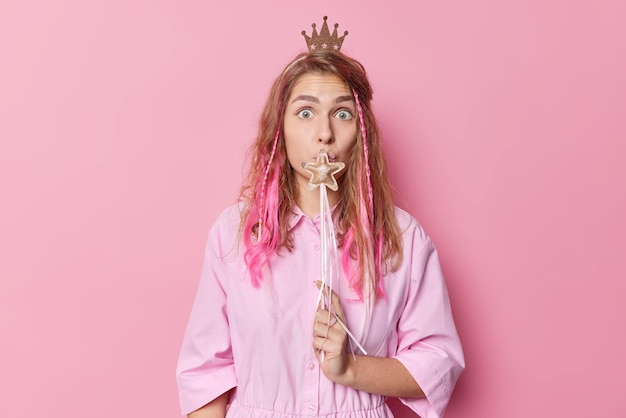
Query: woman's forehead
[{"x": 320, "y": 84}]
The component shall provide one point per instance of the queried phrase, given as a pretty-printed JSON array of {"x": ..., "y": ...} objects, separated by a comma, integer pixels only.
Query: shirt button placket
[
  {"x": 311, "y": 392},
  {"x": 312, "y": 384}
]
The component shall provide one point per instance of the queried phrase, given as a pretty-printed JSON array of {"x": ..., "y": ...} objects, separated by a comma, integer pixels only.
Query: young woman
[{"x": 256, "y": 345}]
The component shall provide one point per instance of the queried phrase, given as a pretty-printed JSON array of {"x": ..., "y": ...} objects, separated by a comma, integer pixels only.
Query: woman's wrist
[
  {"x": 381, "y": 375},
  {"x": 348, "y": 377}
]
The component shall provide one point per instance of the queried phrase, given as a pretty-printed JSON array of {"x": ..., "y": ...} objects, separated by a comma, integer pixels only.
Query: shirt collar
[{"x": 297, "y": 216}]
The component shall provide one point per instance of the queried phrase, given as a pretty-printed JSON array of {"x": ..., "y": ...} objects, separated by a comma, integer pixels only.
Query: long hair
[{"x": 367, "y": 230}]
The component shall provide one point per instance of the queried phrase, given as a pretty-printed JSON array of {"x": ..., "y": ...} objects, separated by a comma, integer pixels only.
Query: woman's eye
[
  {"x": 344, "y": 115},
  {"x": 305, "y": 114}
]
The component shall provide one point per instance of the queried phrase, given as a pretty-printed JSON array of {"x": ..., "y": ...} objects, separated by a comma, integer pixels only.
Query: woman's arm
[
  {"x": 214, "y": 409},
  {"x": 384, "y": 376},
  {"x": 380, "y": 375}
]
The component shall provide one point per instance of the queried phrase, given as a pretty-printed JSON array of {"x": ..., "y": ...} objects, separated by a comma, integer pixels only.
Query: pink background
[{"x": 123, "y": 126}]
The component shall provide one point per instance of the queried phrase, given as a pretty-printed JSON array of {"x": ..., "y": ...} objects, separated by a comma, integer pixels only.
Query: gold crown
[{"x": 324, "y": 40}]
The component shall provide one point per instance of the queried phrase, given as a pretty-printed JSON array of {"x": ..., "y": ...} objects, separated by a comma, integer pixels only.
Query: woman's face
[{"x": 320, "y": 113}]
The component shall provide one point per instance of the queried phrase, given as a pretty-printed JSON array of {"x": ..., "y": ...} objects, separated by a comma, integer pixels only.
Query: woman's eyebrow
[
  {"x": 346, "y": 98},
  {"x": 306, "y": 98},
  {"x": 313, "y": 99}
]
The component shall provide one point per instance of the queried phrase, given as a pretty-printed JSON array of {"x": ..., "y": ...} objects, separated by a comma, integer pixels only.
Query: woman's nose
[{"x": 325, "y": 134}]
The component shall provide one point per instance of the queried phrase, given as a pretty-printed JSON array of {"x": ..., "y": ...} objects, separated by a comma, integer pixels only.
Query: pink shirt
[{"x": 259, "y": 340}]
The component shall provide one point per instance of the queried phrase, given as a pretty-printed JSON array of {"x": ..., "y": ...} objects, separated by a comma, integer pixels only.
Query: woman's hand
[
  {"x": 330, "y": 339},
  {"x": 385, "y": 376}
]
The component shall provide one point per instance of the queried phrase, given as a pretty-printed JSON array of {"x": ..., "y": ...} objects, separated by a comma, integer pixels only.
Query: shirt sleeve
[
  {"x": 428, "y": 343},
  {"x": 205, "y": 367}
]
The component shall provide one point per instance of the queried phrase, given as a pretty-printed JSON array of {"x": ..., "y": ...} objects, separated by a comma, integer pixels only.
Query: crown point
[{"x": 324, "y": 40}]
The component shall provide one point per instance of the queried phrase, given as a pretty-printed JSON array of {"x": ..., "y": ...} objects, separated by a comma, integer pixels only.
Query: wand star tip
[{"x": 323, "y": 171}]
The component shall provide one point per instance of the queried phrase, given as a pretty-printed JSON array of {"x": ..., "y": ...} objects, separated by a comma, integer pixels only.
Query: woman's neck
[{"x": 309, "y": 200}]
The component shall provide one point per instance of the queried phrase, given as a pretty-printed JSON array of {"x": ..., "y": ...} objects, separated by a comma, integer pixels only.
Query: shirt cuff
[
  {"x": 196, "y": 390},
  {"x": 435, "y": 383}
]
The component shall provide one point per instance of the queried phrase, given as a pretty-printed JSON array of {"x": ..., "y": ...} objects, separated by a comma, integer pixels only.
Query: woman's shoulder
[
  {"x": 230, "y": 215},
  {"x": 409, "y": 225},
  {"x": 226, "y": 224}
]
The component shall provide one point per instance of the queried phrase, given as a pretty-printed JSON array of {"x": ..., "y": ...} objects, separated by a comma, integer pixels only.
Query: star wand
[{"x": 322, "y": 176}]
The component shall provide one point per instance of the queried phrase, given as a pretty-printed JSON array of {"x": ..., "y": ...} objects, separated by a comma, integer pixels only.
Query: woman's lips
[{"x": 332, "y": 157}]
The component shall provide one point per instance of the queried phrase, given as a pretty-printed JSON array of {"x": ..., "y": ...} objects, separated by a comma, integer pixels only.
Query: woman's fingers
[
  {"x": 326, "y": 318},
  {"x": 328, "y": 345},
  {"x": 332, "y": 330},
  {"x": 333, "y": 298},
  {"x": 329, "y": 336}
]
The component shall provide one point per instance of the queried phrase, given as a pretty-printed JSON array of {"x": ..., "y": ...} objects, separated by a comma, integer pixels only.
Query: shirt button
[
  {"x": 311, "y": 366},
  {"x": 312, "y": 407},
  {"x": 316, "y": 246}
]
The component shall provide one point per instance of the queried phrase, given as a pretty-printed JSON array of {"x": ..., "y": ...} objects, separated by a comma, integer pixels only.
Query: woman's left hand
[{"x": 330, "y": 339}]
